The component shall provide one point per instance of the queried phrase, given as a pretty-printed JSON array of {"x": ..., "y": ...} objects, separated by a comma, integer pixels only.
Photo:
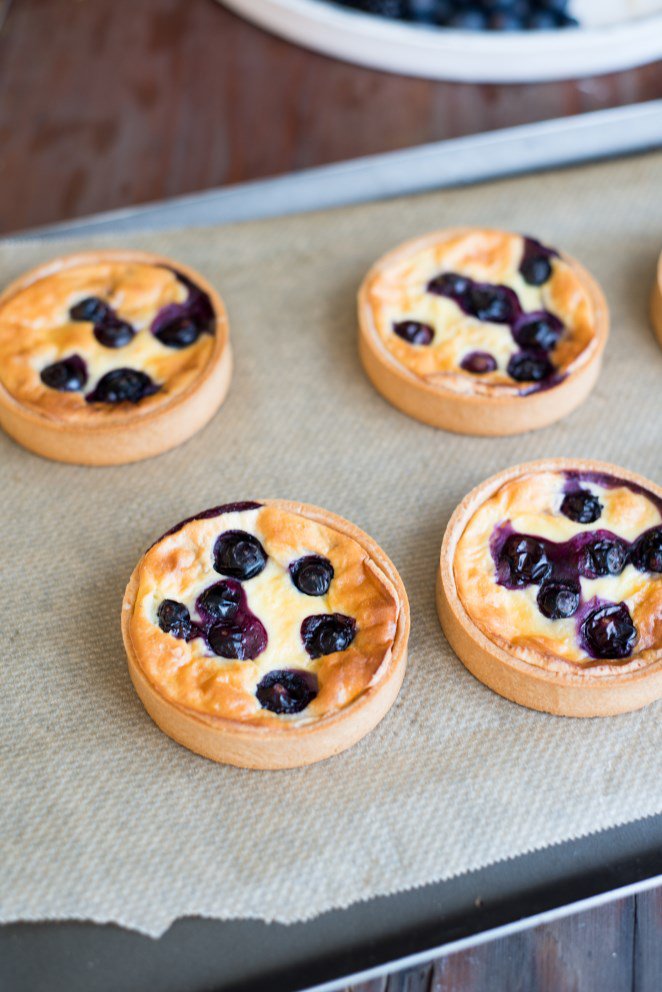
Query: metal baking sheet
[{"x": 390, "y": 932}]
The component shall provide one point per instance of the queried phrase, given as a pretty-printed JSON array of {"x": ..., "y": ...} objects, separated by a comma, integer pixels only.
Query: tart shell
[
  {"x": 290, "y": 745},
  {"x": 656, "y": 302},
  {"x": 470, "y": 413},
  {"x": 563, "y": 694},
  {"x": 138, "y": 436}
]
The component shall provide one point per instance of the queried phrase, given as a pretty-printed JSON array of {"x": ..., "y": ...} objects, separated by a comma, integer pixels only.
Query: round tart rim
[
  {"x": 563, "y": 693},
  {"x": 656, "y": 301},
  {"x": 495, "y": 414},
  {"x": 284, "y": 745},
  {"x": 132, "y": 430}
]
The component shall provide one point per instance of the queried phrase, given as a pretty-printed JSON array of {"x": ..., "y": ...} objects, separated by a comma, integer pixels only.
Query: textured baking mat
[{"x": 106, "y": 819}]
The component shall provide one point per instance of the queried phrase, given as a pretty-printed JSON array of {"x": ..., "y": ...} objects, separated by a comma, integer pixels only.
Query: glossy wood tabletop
[{"x": 109, "y": 103}]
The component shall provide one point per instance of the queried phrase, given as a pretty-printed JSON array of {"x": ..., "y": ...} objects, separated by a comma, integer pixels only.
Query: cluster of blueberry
[
  {"x": 536, "y": 333},
  {"x": 474, "y": 15},
  {"x": 606, "y": 629},
  {"x": 232, "y": 631},
  {"x": 177, "y": 325}
]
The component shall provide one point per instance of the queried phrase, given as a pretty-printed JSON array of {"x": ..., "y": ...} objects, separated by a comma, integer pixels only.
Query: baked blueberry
[
  {"x": 122, "y": 386},
  {"x": 603, "y": 556},
  {"x": 312, "y": 575},
  {"x": 220, "y": 601},
  {"x": 536, "y": 266},
  {"x": 327, "y": 633},
  {"x": 413, "y": 332},
  {"x": 558, "y": 600},
  {"x": 527, "y": 560},
  {"x": 178, "y": 333},
  {"x": 174, "y": 618},
  {"x": 647, "y": 551},
  {"x": 113, "y": 332},
  {"x": 67, "y": 376},
  {"x": 286, "y": 690},
  {"x": 478, "y": 362},
  {"x": 449, "y": 284},
  {"x": 239, "y": 555},
  {"x": 243, "y": 640},
  {"x": 538, "y": 331},
  {"x": 609, "y": 631},
  {"x": 529, "y": 366},
  {"x": 581, "y": 506},
  {"x": 91, "y": 309},
  {"x": 496, "y": 304}
]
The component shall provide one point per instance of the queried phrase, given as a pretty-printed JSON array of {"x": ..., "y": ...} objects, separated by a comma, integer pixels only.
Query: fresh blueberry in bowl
[
  {"x": 69, "y": 375},
  {"x": 312, "y": 575},
  {"x": 174, "y": 618},
  {"x": 413, "y": 331},
  {"x": 609, "y": 632},
  {"x": 239, "y": 555},
  {"x": 581, "y": 506},
  {"x": 122, "y": 386},
  {"x": 527, "y": 560},
  {"x": 327, "y": 633},
  {"x": 558, "y": 600},
  {"x": 286, "y": 690}
]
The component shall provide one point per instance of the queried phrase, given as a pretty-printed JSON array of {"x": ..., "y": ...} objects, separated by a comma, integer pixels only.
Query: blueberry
[
  {"x": 312, "y": 575},
  {"x": 91, "y": 309},
  {"x": 471, "y": 19},
  {"x": 539, "y": 331},
  {"x": 609, "y": 632},
  {"x": 505, "y": 20},
  {"x": 178, "y": 333},
  {"x": 393, "y": 9},
  {"x": 541, "y": 20},
  {"x": 122, "y": 386},
  {"x": 527, "y": 559},
  {"x": 414, "y": 332},
  {"x": 174, "y": 618},
  {"x": 239, "y": 555},
  {"x": 536, "y": 266},
  {"x": 496, "y": 304},
  {"x": 581, "y": 506},
  {"x": 286, "y": 691},
  {"x": 558, "y": 600},
  {"x": 529, "y": 366},
  {"x": 602, "y": 556},
  {"x": 478, "y": 362},
  {"x": 327, "y": 633},
  {"x": 647, "y": 551},
  {"x": 113, "y": 332},
  {"x": 428, "y": 11},
  {"x": 243, "y": 640},
  {"x": 449, "y": 284},
  {"x": 220, "y": 601},
  {"x": 67, "y": 375},
  {"x": 556, "y": 6},
  {"x": 566, "y": 21}
]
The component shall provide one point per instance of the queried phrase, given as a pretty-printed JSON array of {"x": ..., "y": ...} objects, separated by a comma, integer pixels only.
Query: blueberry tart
[
  {"x": 266, "y": 635},
  {"x": 550, "y": 587},
  {"x": 110, "y": 356},
  {"x": 481, "y": 332},
  {"x": 656, "y": 302}
]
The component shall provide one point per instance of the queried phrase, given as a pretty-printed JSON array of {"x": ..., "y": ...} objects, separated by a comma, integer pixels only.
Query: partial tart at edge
[{"x": 656, "y": 302}]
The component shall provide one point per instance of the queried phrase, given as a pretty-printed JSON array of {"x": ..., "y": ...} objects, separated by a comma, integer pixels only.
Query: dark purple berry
[
  {"x": 67, "y": 376},
  {"x": 327, "y": 633},
  {"x": 449, "y": 284},
  {"x": 478, "y": 362},
  {"x": 393, "y": 9},
  {"x": 603, "y": 556},
  {"x": 556, "y": 6},
  {"x": 558, "y": 600},
  {"x": 529, "y": 366},
  {"x": 541, "y": 20},
  {"x": 113, "y": 333},
  {"x": 220, "y": 601},
  {"x": 539, "y": 331},
  {"x": 471, "y": 19},
  {"x": 496, "y": 304},
  {"x": 609, "y": 632},
  {"x": 178, "y": 333},
  {"x": 647, "y": 551},
  {"x": 581, "y": 506},
  {"x": 312, "y": 575},
  {"x": 239, "y": 555},
  {"x": 122, "y": 386},
  {"x": 536, "y": 266},
  {"x": 91, "y": 309},
  {"x": 287, "y": 691},
  {"x": 174, "y": 619},
  {"x": 413, "y": 332},
  {"x": 527, "y": 560},
  {"x": 505, "y": 20},
  {"x": 243, "y": 640}
]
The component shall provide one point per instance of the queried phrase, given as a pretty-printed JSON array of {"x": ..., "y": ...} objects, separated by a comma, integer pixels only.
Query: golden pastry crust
[
  {"x": 37, "y": 330},
  {"x": 656, "y": 302},
  {"x": 428, "y": 382},
  {"x": 498, "y": 629},
  {"x": 186, "y": 681}
]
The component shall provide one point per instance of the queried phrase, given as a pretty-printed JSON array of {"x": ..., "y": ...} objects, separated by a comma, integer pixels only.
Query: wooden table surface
[{"x": 108, "y": 103}]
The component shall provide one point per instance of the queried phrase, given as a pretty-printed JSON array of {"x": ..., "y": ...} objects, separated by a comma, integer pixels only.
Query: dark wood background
[{"x": 108, "y": 103}]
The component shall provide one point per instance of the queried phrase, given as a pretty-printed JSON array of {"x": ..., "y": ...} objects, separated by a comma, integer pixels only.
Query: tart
[
  {"x": 266, "y": 634},
  {"x": 481, "y": 332},
  {"x": 656, "y": 302},
  {"x": 110, "y": 356},
  {"x": 550, "y": 587}
]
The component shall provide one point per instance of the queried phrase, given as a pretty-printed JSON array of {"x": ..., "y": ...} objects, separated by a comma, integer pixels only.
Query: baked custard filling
[
  {"x": 260, "y": 614},
  {"x": 564, "y": 569},
  {"x": 483, "y": 311},
  {"x": 91, "y": 339}
]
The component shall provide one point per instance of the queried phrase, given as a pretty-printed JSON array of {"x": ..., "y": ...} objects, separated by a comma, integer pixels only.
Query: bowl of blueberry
[{"x": 471, "y": 40}]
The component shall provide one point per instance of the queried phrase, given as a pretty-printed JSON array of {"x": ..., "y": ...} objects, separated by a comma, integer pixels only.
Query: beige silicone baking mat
[{"x": 102, "y": 816}]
